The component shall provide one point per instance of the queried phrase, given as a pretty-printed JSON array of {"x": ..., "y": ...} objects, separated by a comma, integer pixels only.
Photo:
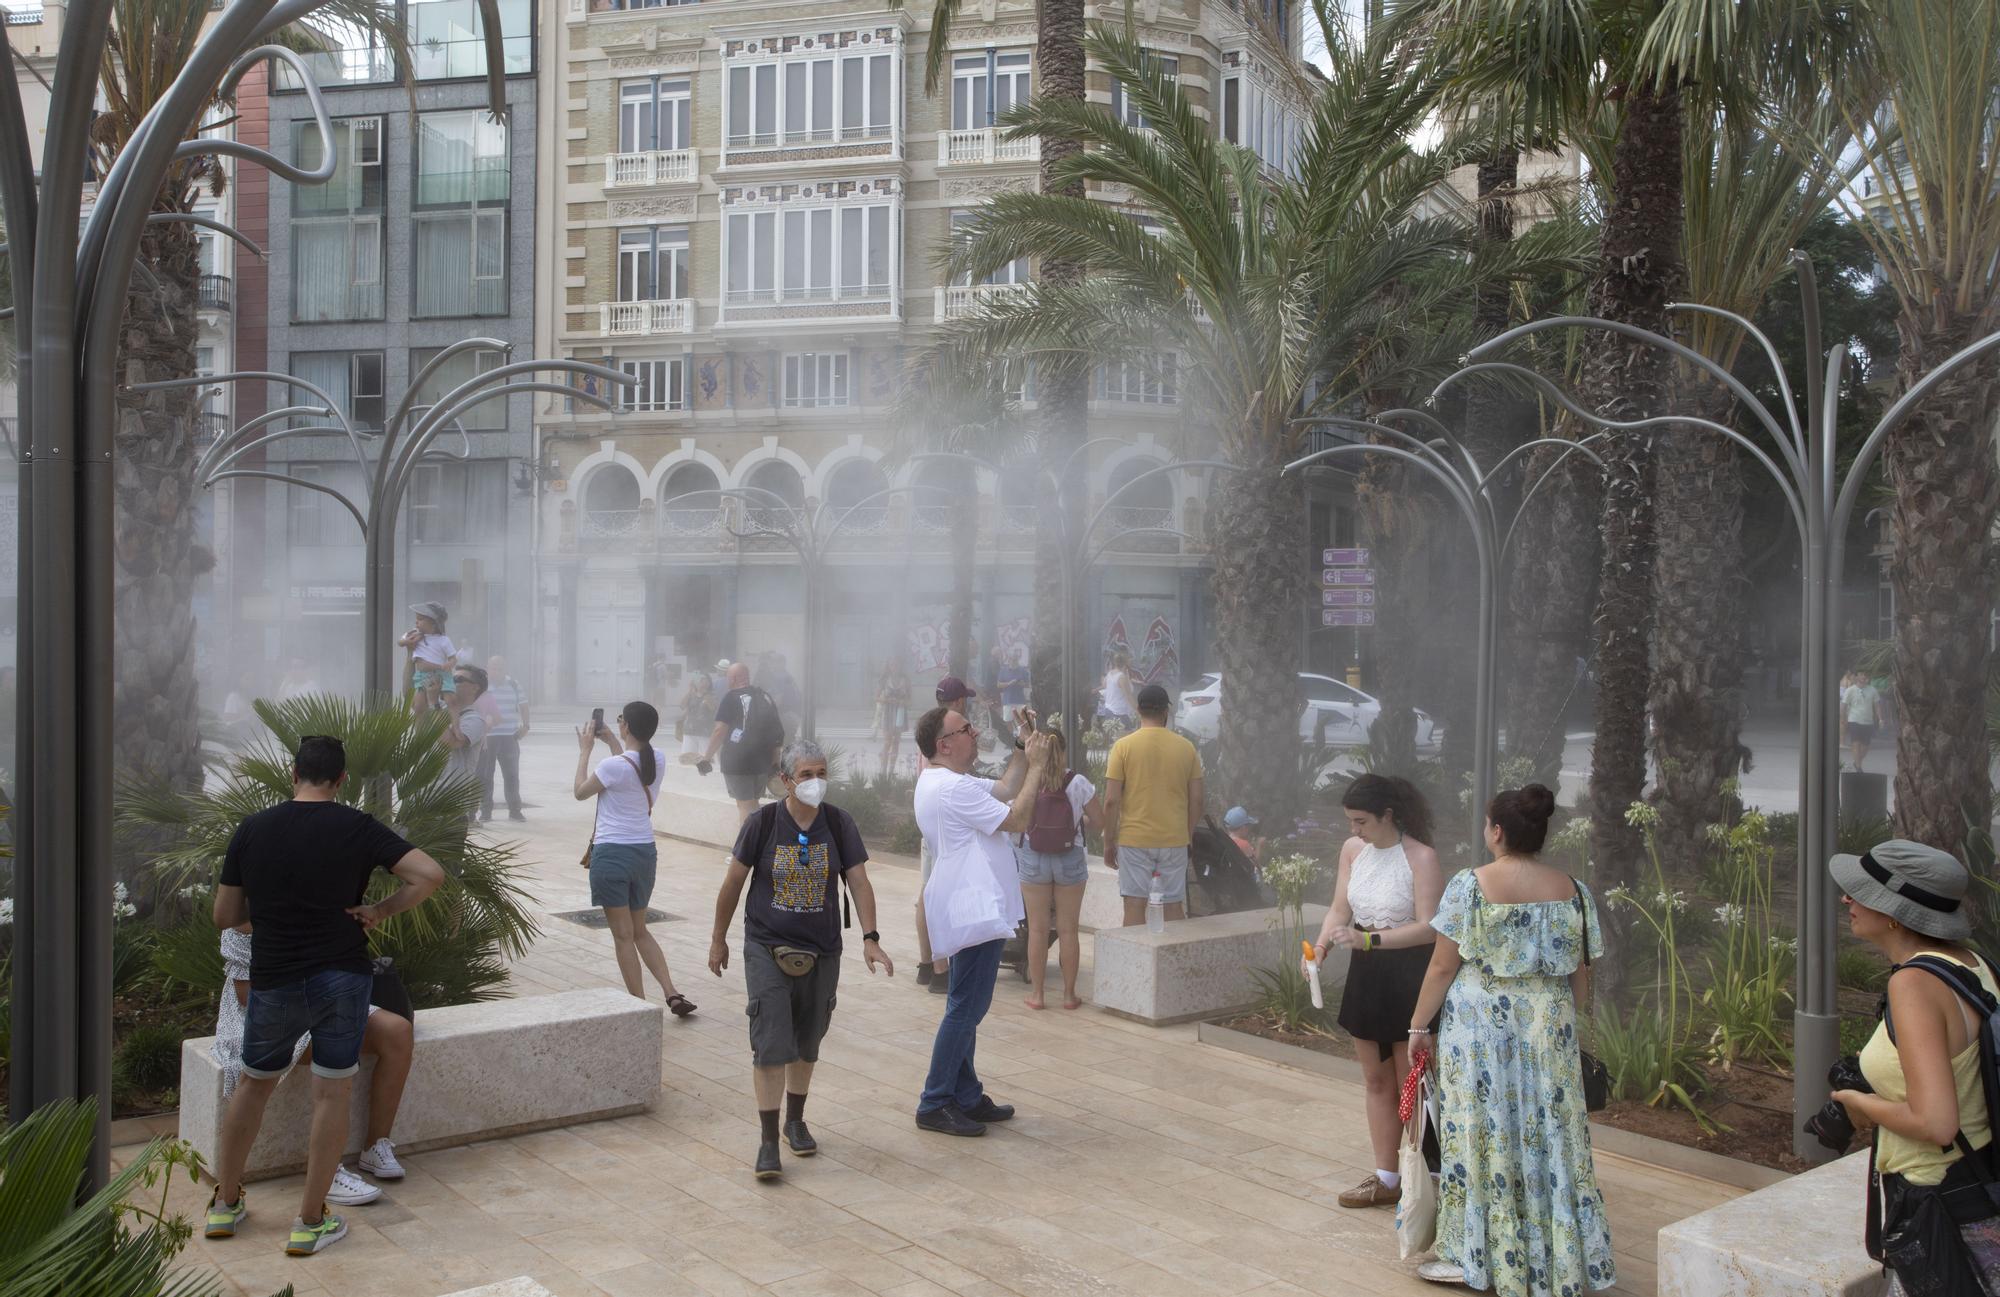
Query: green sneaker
[
  {"x": 308, "y": 1239},
  {"x": 222, "y": 1220}
]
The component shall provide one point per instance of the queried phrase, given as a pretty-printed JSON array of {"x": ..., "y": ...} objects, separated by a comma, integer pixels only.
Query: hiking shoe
[
  {"x": 223, "y": 1220},
  {"x": 949, "y": 1120},
  {"x": 308, "y": 1239},
  {"x": 1371, "y": 1192},
  {"x": 986, "y": 1111},
  {"x": 379, "y": 1160},
  {"x": 800, "y": 1139},
  {"x": 768, "y": 1165},
  {"x": 350, "y": 1190}
]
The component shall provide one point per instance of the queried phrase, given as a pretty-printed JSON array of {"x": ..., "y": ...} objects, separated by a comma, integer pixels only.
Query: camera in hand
[{"x": 1831, "y": 1125}]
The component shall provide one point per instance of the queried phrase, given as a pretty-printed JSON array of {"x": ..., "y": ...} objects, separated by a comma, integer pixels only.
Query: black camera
[{"x": 1831, "y": 1125}]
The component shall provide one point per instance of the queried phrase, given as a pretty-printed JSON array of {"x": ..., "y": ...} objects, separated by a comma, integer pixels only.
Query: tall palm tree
[
  {"x": 1281, "y": 296},
  {"x": 157, "y": 558},
  {"x": 1930, "y": 151},
  {"x": 1750, "y": 197}
]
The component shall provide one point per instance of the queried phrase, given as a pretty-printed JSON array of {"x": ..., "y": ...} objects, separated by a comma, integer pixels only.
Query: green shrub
[
  {"x": 1860, "y": 968},
  {"x": 149, "y": 1058},
  {"x": 1854, "y": 1034},
  {"x": 1649, "y": 1061}
]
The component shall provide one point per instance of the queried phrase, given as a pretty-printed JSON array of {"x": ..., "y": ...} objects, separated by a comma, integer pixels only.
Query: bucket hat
[
  {"x": 1920, "y": 887},
  {"x": 430, "y": 608}
]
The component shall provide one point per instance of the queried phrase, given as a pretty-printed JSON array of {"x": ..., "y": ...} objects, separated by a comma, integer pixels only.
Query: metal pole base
[{"x": 1815, "y": 1045}]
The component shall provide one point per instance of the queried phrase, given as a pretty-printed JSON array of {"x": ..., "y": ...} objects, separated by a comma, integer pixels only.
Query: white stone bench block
[
  {"x": 1198, "y": 968},
  {"x": 479, "y": 1071},
  {"x": 1798, "y": 1238}
]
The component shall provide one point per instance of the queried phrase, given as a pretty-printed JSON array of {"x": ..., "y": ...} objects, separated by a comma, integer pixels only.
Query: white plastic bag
[
  {"x": 963, "y": 905},
  {"x": 1416, "y": 1212}
]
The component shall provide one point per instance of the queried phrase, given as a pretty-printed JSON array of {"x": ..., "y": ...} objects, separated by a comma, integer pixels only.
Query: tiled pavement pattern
[{"x": 1141, "y": 1163}]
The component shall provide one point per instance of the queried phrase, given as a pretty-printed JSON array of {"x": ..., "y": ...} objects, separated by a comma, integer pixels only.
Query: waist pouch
[{"x": 793, "y": 962}]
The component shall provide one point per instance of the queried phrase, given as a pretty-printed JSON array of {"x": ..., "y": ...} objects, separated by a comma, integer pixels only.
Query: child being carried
[{"x": 434, "y": 655}]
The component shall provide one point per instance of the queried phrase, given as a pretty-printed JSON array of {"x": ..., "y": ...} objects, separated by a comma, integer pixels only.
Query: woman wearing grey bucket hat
[{"x": 1908, "y": 901}]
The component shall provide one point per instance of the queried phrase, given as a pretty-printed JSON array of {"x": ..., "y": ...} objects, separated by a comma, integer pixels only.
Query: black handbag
[
  {"x": 388, "y": 993},
  {"x": 1596, "y": 1076},
  {"x": 1919, "y": 1238}
]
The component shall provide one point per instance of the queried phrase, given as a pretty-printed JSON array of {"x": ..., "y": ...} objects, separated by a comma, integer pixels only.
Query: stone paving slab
[{"x": 1143, "y": 1163}]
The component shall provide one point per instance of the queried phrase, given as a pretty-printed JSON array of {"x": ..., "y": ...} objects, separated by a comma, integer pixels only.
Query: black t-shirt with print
[
  {"x": 793, "y": 899},
  {"x": 754, "y": 731},
  {"x": 301, "y": 864}
]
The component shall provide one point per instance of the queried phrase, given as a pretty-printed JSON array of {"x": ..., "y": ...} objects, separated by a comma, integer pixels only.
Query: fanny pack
[{"x": 793, "y": 962}]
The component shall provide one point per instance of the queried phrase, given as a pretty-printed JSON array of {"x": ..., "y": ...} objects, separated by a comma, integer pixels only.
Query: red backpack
[{"x": 1053, "y": 829}]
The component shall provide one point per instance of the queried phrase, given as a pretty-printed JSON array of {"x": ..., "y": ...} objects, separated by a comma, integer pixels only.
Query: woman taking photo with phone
[{"x": 623, "y": 859}]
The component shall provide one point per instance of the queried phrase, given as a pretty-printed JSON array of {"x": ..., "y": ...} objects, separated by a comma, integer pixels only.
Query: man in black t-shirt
[
  {"x": 299, "y": 871},
  {"x": 795, "y": 855},
  {"x": 748, "y": 732}
]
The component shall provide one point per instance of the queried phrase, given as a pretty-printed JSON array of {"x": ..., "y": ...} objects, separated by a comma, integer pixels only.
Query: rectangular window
[
  {"x": 662, "y": 385},
  {"x": 815, "y": 379},
  {"x": 970, "y": 104},
  {"x": 1232, "y": 109},
  {"x": 459, "y": 230},
  {"x": 448, "y": 40},
  {"x": 1143, "y": 380},
  {"x": 458, "y": 504},
  {"x": 461, "y": 160},
  {"x": 753, "y": 105},
  {"x": 810, "y": 253},
  {"x": 652, "y": 115},
  {"x": 752, "y": 270},
  {"x": 1012, "y": 75},
  {"x": 461, "y": 368},
  {"x": 652, "y": 263},
  {"x": 337, "y": 227},
  {"x": 352, "y": 379},
  {"x": 810, "y": 100},
  {"x": 313, "y": 517},
  {"x": 1166, "y": 65}
]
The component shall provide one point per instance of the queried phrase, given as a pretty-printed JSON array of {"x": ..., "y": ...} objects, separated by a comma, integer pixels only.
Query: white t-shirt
[
  {"x": 1079, "y": 791},
  {"x": 960, "y": 820},
  {"x": 1118, "y": 695},
  {"x": 623, "y": 814},
  {"x": 435, "y": 649}
]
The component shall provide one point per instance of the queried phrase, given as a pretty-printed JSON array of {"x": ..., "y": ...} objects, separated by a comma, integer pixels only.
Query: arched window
[
  {"x": 1155, "y": 493},
  {"x": 855, "y": 481},
  {"x": 689, "y": 503},
  {"x": 779, "y": 479},
  {"x": 611, "y": 489}
]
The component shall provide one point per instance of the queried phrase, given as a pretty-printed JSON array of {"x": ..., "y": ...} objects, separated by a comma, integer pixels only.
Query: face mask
[{"x": 811, "y": 791}]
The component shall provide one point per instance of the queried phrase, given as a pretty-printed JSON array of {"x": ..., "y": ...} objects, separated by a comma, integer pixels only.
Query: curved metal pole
[
  {"x": 1467, "y": 492},
  {"x": 308, "y": 430},
  {"x": 1093, "y": 555},
  {"x": 1521, "y": 510},
  {"x": 1449, "y": 436},
  {"x": 202, "y": 145},
  {"x": 1770, "y": 354},
  {"x": 1527, "y": 446},
  {"x": 269, "y": 376},
  {"x": 251, "y": 425},
  {"x": 1178, "y": 466},
  {"x": 195, "y": 218},
  {"x": 320, "y": 487},
  {"x": 496, "y": 62},
  {"x": 1843, "y": 507},
  {"x": 402, "y": 411}
]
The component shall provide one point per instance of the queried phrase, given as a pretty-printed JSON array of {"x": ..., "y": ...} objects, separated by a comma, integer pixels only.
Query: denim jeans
[
  {"x": 332, "y": 1004},
  {"x": 952, "y": 1078}
]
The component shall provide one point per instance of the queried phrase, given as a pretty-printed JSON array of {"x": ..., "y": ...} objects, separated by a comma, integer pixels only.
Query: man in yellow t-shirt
[{"x": 1152, "y": 801}]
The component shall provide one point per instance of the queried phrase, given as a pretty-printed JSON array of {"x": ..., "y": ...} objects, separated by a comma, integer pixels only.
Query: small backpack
[
  {"x": 1053, "y": 829},
  {"x": 1986, "y": 1010}
]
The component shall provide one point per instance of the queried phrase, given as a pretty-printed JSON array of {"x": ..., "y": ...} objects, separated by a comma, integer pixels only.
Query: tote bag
[
  {"x": 963, "y": 905},
  {"x": 1417, "y": 1211}
]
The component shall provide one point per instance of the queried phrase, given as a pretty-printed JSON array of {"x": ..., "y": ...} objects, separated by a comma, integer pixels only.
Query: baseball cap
[
  {"x": 1238, "y": 818},
  {"x": 1153, "y": 698},
  {"x": 951, "y": 689}
]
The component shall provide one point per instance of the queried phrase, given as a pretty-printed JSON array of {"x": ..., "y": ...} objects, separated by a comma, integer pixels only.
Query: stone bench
[
  {"x": 1799, "y": 1237},
  {"x": 1198, "y": 968},
  {"x": 479, "y": 1071}
]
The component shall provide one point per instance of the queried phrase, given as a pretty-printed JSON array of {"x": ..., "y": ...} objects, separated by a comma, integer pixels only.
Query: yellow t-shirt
[
  {"x": 1155, "y": 765},
  {"x": 1915, "y": 1161}
]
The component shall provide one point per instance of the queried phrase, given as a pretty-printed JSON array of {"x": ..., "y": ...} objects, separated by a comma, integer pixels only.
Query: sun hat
[
  {"x": 1920, "y": 887},
  {"x": 1238, "y": 818},
  {"x": 951, "y": 689},
  {"x": 430, "y": 608}
]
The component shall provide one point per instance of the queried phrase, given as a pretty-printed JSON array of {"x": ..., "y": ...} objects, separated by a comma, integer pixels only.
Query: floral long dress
[{"x": 1518, "y": 1206}]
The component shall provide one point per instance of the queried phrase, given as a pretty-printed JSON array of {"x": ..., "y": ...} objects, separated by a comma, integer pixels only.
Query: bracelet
[{"x": 1419, "y": 1031}]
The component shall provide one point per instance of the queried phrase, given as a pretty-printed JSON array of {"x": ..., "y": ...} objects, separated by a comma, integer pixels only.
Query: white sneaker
[
  {"x": 350, "y": 1190},
  {"x": 1440, "y": 1272},
  {"x": 379, "y": 1160}
]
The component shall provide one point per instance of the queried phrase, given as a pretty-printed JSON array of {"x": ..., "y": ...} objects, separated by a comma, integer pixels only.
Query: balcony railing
[
  {"x": 654, "y": 167},
  {"x": 609, "y": 524},
  {"x": 215, "y": 292},
  {"x": 622, "y": 319},
  {"x": 209, "y": 427},
  {"x": 983, "y": 147},
  {"x": 955, "y": 301}
]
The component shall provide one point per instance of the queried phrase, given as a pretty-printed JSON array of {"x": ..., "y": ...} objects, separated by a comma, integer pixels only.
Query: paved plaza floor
[{"x": 1142, "y": 1162}]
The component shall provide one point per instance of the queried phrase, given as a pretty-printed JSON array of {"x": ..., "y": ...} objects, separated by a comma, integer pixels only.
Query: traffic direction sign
[
  {"x": 1347, "y": 617},
  {"x": 1347, "y": 576},
  {"x": 1344, "y": 557},
  {"x": 1361, "y": 597}
]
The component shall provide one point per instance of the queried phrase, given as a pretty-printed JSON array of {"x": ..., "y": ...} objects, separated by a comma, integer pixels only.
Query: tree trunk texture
[
  {"x": 1399, "y": 520},
  {"x": 1262, "y": 514},
  {"x": 1551, "y": 582},
  {"x": 1940, "y": 464},
  {"x": 157, "y": 560},
  {"x": 1698, "y": 587},
  {"x": 1062, "y": 394},
  {"x": 1639, "y": 272}
]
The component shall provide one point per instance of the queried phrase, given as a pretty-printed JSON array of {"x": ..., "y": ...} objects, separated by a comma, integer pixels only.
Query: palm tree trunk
[
  {"x": 157, "y": 558},
  {"x": 1941, "y": 466},
  {"x": 1062, "y": 393},
  {"x": 1697, "y": 688},
  {"x": 1261, "y": 512},
  {"x": 1551, "y": 588},
  {"x": 1639, "y": 272}
]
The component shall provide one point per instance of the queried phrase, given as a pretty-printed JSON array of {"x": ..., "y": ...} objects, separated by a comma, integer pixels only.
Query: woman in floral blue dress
[{"x": 1518, "y": 1208}]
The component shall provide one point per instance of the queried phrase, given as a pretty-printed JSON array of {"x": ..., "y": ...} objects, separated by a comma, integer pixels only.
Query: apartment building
[{"x": 747, "y": 202}]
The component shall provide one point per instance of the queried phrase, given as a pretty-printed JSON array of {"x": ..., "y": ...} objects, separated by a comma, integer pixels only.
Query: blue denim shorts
[
  {"x": 423, "y": 678},
  {"x": 332, "y": 1004},
  {"x": 621, "y": 873},
  {"x": 1064, "y": 869}
]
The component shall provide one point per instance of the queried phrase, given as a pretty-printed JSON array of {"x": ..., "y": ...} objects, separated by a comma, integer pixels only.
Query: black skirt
[{"x": 1381, "y": 994}]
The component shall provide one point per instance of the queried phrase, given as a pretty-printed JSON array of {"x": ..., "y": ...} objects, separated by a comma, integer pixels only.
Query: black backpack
[{"x": 1966, "y": 983}]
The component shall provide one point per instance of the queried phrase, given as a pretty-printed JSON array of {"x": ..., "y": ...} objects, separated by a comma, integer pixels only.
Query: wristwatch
[
  {"x": 1019, "y": 745},
  {"x": 875, "y": 937}
]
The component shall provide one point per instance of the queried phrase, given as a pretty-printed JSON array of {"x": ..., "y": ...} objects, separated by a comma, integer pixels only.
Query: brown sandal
[{"x": 681, "y": 1005}]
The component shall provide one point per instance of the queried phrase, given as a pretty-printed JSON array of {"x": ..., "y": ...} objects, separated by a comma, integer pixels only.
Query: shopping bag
[
  {"x": 1416, "y": 1211},
  {"x": 964, "y": 906}
]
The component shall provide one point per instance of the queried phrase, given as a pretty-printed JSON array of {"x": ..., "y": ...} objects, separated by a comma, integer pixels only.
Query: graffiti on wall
[{"x": 1156, "y": 659}]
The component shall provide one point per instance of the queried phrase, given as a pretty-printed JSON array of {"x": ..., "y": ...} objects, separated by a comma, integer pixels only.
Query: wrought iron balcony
[{"x": 215, "y": 292}]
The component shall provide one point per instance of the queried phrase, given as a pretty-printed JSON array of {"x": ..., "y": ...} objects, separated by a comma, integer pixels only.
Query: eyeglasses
[{"x": 955, "y": 733}]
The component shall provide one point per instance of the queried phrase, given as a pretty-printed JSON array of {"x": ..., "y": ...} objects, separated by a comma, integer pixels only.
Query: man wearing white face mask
[{"x": 794, "y": 854}]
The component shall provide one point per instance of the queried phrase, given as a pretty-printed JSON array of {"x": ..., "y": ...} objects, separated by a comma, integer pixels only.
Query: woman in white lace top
[{"x": 1383, "y": 899}]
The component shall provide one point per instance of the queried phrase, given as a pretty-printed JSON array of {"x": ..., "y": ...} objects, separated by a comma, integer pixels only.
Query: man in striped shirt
[{"x": 506, "y": 706}]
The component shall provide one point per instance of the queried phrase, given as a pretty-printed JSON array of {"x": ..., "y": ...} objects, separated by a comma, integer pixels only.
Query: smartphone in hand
[{"x": 597, "y": 720}]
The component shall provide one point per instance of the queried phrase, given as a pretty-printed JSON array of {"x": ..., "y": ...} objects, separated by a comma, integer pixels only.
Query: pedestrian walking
[
  {"x": 504, "y": 704},
  {"x": 1153, "y": 794},
  {"x": 955, "y": 696},
  {"x": 892, "y": 714},
  {"x": 1054, "y": 869},
  {"x": 1860, "y": 706},
  {"x": 624, "y": 859},
  {"x": 1117, "y": 699},
  {"x": 794, "y": 855},
  {"x": 1385, "y": 894},
  {"x": 465, "y": 737},
  {"x": 748, "y": 733},
  {"x": 299, "y": 872},
  {"x": 697, "y": 707},
  {"x": 966, "y": 820}
]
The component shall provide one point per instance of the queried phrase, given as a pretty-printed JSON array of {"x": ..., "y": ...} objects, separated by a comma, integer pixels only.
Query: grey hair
[{"x": 801, "y": 750}]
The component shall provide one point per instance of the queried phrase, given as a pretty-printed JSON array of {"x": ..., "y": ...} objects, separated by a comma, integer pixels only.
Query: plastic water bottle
[{"x": 1156, "y": 907}]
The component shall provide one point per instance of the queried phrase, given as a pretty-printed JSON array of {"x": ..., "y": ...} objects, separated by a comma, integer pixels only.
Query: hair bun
[{"x": 1537, "y": 802}]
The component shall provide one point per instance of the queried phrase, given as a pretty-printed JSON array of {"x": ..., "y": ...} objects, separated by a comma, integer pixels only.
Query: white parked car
[{"x": 1346, "y": 712}]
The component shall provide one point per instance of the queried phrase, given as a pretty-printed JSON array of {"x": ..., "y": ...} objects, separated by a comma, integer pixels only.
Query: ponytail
[
  {"x": 1395, "y": 797},
  {"x": 643, "y": 719}
]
